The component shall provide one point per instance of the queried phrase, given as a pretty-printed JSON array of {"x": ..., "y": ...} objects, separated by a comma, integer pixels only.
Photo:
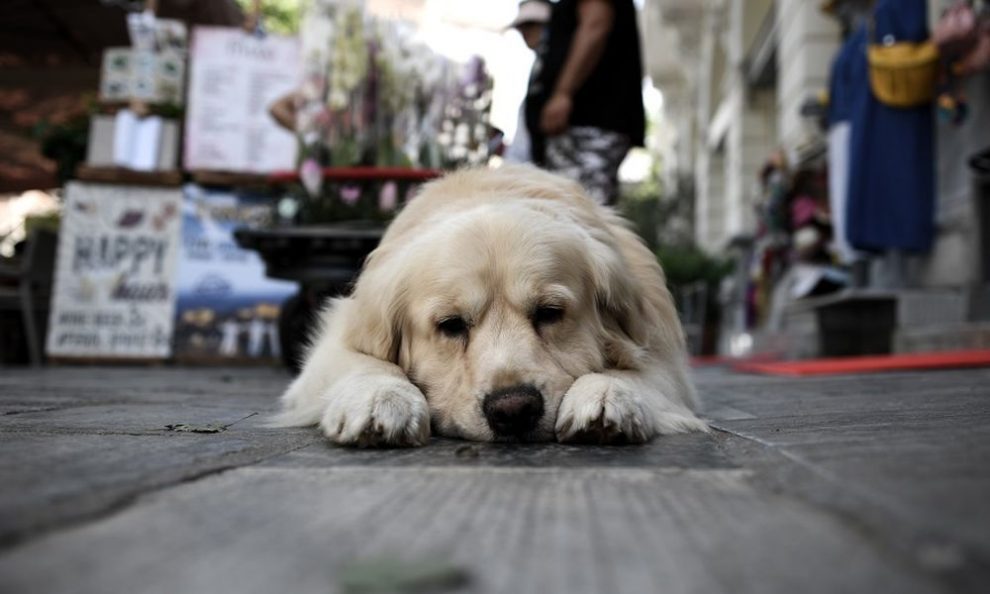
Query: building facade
[
  {"x": 747, "y": 79},
  {"x": 734, "y": 75}
]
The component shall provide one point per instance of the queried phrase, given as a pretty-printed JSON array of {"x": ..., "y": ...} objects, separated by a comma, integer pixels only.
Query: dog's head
[{"x": 493, "y": 308}]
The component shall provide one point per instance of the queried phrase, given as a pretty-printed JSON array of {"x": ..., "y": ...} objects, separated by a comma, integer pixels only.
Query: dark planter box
[{"x": 323, "y": 259}]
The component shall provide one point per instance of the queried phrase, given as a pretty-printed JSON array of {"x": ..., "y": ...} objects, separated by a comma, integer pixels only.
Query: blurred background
[{"x": 152, "y": 207}]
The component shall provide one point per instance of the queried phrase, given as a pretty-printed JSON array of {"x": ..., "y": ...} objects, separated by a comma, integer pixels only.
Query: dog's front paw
[
  {"x": 376, "y": 411},
  {"x": 602, "y": 409}
]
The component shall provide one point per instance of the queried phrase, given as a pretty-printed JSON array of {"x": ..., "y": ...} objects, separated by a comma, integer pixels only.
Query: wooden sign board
[
  {"x": 234, "y": 78},
  {"x": 114, "y": 294}
]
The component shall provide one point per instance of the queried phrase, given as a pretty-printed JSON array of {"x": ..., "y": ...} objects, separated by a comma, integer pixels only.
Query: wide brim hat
[{"x": 531, "y": 11}]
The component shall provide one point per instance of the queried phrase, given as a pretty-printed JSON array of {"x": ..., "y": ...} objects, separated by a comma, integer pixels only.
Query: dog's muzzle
[{"x": 513, "y": 411}]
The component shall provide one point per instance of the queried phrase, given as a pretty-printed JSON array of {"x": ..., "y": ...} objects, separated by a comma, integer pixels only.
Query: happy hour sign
[{"x": 114, "y": 290}]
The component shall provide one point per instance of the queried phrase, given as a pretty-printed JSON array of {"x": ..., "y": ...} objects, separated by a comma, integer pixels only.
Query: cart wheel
[{"x": 293, "y": 327}]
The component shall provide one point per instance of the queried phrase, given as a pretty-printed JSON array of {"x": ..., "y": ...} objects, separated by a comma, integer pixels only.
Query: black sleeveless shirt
[{"x": 612, "y": 96}]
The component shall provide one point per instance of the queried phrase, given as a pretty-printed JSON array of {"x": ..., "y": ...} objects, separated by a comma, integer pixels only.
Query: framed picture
[{"x": 227, "y": 309}]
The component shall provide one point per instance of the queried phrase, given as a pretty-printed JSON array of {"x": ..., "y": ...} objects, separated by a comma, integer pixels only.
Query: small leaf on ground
[{"x": 381, "y": 575}]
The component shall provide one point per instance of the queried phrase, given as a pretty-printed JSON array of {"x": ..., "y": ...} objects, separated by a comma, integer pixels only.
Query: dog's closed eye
[
  {"x": 545, "y": 315},
  {"x": 453, "y": 327}
]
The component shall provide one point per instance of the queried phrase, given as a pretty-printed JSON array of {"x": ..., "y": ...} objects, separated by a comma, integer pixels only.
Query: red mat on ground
[{"x": 916, "y": 361}]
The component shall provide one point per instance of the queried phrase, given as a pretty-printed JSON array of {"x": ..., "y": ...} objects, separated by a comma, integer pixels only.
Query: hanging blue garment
[
  {"x": 891, "y": 202},
  {"x": 845, "y": 88}
]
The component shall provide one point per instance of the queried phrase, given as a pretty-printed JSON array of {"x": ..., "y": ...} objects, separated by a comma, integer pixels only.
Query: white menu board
[
  {"x": 234, "y": 78},
  {"x": 114, "y": 293}
]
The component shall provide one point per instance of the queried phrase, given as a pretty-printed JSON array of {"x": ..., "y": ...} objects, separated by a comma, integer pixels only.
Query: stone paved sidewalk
[{"x": 166, "y": 480}]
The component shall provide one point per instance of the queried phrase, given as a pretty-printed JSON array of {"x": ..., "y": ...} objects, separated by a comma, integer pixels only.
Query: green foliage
[
  {"x": 641, "y": 205},
  {"x": 280, "y": 16},
  {"x": 48, "y": 222},
  {"x": 686, "y": 264},
  {"x": 65, "y": 144},
  {"x": 665, "y": 222},
  {"x": 331, "y": 207},
  {"x": 659, "y": 216},
  {"x": 358, "y": 203},
  {"x": 693, "y": 277}
]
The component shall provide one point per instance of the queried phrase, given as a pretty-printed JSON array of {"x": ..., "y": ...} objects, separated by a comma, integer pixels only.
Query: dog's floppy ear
[
  {"x": 615, "y": 293},
  {"x": 636, "y": 309},
  {"x": 377, "y": 313}
]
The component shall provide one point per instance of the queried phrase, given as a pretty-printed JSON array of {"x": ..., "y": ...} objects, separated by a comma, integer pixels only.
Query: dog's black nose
[{"x": 513, "y": 411}]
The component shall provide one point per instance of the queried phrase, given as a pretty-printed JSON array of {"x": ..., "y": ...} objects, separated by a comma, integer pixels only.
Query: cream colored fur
[{"x": 490, "y": 246}]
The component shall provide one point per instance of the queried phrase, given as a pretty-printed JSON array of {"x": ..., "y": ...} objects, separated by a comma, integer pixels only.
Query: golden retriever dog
[{"x": 501, "y": 305}]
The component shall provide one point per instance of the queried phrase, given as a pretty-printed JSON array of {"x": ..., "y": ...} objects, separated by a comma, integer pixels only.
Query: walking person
[
  {"x": 530, "y": 22},
  {"x": 586, "y": 96}
]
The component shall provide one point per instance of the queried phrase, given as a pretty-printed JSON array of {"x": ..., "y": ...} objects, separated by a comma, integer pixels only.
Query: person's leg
[{"x": 590, "y": 156}]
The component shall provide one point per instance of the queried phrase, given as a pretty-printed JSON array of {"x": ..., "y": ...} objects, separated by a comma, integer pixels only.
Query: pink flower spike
[
  {"x": 350, "y": 194},
  {"x": 388, "y": 198},
  {"x": 311, "y": 176}
]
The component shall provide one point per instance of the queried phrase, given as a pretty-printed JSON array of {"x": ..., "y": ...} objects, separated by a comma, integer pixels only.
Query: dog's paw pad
[
  {"x": 376, "y": 412},
  {"x": 600, "y": 410}
]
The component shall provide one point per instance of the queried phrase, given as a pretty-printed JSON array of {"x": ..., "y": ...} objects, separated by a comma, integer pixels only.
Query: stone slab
[
  {"x": 507, "y": 529},
  {"x": 135, "y": 417},
  {"x": 799, "y": 475},
  {"x": 50, "y": 480},
  {"x": 905, "y": 456}
]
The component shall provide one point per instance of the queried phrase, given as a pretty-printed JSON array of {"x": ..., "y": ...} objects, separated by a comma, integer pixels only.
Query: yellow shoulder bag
[{"x": 903, "y": 74}]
